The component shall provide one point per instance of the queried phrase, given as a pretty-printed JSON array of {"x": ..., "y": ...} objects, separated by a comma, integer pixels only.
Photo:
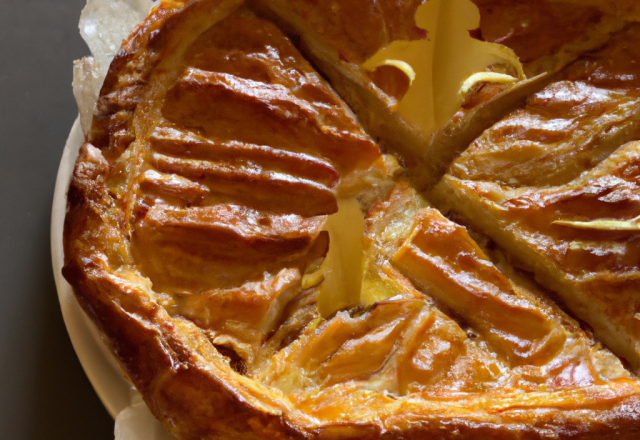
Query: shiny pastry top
[{"x": 262, "y": 270}]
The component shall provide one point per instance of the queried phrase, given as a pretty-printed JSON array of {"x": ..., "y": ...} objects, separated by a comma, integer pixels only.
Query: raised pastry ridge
[
  {"x": 195, "y": 229},
  {"x": 568, "y": 127},
  {"x": 594, "y": 270},
  {"x": 557, "y": 161}
]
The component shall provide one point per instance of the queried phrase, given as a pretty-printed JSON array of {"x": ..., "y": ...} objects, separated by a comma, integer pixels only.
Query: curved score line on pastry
[{"x": 440, "y": 257}]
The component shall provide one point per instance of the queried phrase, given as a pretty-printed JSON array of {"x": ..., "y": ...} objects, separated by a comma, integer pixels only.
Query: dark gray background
[{"x": 44, "y": 394}]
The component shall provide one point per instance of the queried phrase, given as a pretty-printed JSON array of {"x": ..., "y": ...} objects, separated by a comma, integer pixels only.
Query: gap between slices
[
  {"x": 406, "y": 126},
  {"x": 555, "y": 183}
]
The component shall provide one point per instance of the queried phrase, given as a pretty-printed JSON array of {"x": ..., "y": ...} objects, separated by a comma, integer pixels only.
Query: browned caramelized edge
[{"x": 181, "y": 376}]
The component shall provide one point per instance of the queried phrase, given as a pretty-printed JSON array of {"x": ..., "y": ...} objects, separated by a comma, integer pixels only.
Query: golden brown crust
[
  {"x": 195, "y": 394},
  {"x": 559, "y": 160},
  {"x": 569, "y": 126},
  {"x": 626, "y": 9},
  {"x": 427, "y": 157},
  {"x": 594, "y": 271},
  {"x": 356, "y": 29},
  {"x": 374, "y": 107},
  {"x": 177, "y": 371},
  {"x": 167, "y": 223},
  {"x": 534, "y": 28}
]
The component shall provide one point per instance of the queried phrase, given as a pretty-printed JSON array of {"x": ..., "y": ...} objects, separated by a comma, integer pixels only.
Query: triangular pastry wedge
[
  {"x": 544, "y": 181},
  {"x": 579, "y": 239},
  {"x": 209, "y": 217}
]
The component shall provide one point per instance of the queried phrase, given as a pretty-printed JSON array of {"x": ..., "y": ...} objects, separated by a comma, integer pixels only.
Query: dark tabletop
[{"x": 44, "y": 394}]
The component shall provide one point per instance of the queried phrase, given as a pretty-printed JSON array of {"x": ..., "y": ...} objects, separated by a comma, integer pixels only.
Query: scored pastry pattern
[{"x": 195, "y": 239}]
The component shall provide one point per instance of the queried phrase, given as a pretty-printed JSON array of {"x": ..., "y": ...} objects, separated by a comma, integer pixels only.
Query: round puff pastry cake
[{"x": 261, "y": 270}]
